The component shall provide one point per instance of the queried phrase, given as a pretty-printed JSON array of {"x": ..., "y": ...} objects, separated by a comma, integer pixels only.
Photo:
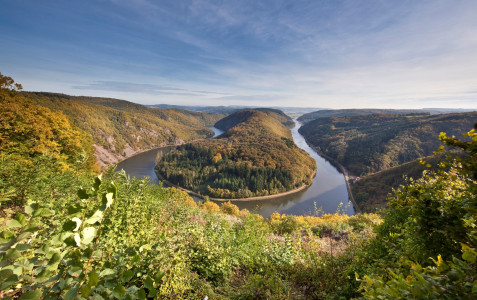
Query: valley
[{"x": 68, "y": 232}]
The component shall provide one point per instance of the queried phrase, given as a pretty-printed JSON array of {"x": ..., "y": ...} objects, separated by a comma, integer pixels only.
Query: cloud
[{"x": 142, "y": 88}]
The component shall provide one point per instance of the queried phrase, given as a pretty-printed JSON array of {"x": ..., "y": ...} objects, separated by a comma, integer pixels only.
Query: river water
[{"x": 327, "y": 194}]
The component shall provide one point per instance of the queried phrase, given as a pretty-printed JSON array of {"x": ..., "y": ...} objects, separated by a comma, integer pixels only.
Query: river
[{"x": 327, "y": 194}]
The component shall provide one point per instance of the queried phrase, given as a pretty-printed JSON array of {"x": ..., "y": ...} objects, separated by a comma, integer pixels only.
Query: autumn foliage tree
[{"x": 28, "y": 130}]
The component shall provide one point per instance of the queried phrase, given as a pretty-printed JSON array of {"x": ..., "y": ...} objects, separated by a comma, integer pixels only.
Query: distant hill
[
  {"x": 326, "y": 113},
  {"x": 207, "y": 109},
  {"x": 120, "y": 128},
  {"x": 256, "y": 156},
  {"x": 295, "y": 111},
  {"x": 370, "y": 143},
  {"x": 243, "y": 115}
]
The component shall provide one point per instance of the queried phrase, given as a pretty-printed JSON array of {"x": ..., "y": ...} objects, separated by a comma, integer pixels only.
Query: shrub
[
  {"x": 210, "y": 207},
  {"x": 230, "y": 209},
  {"x": 189, "y": 201}
]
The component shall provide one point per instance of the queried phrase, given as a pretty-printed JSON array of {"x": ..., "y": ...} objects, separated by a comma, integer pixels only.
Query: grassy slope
[{"x": 120, "y": 128}]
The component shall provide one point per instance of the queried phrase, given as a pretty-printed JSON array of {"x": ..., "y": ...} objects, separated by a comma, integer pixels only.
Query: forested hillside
[
  {"x": 328, "y": 113},
  {"x": 120, "y": 128},
  {"x": 371, "y": 143},
  {"x": 256, "y": 156},
  {"x": 371, "y": 191}
]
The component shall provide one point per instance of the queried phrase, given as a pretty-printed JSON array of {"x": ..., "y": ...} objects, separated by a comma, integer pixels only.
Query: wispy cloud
[{"x": 142, "y": 88}]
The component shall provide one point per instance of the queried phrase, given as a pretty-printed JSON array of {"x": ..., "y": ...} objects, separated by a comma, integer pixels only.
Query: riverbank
[
  {"x": 192, "y": 193},
  {"x": 342, "y": 169}
]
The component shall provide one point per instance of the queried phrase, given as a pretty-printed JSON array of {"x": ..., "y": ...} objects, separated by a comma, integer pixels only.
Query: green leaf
[
  {"x": 75, "y": 271},
  {"x": 32, "y": 227},
  {"x": 93, "y": 278},
  {"x": 5, "y": 273},
  {"x": 89, "y": 233},
  {"x": 55, "y": 258},
  {"x": 141, "y": 294},
  {"x": 6, "y": 236},
  {"x": 22, "y": 247},
  {"x": 21, "y": 219},
  {"x": 11, "y": 254},
  {"x": 17, "y": 270},
  {"x": 85, "y": 290},
  {"x": 74, "y": 209},
  {"x": 71, "y": 294},
  {"x": 126, "y": 276},
  {"x": 69, "y": 226},
  {"x": 132, "y": 291},
  {"x": 119, "y": 291},
  {"x": 468, "y": 254},
  {"x": 45, "y": 275},
  {"x": 78, "y": 223},
  {"x": 31, "y": 295},
  {"x": 109, "y": 199},
  {"x": 42, "y": 212},
  {"x": 23, "y": 236},
  {"x": 9, "y": 281},
  {"x": 95, "y": 218},
  {"x": 106, "y": 272},
  {"x": 149, "y": 283},
  {"x": 82, "y": 194},
  {"x": 13, "y": 224},
  {"x": 97, "y": 183},
  {"x": 114, "y": 190},
  {"x": 77, "y": 239},
  {"x": 29, "y": 209},
  {"x": 158, "y": 278}
]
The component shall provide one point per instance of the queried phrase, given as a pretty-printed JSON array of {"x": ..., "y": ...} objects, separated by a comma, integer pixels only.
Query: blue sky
[{"x": 333, "y": 54}]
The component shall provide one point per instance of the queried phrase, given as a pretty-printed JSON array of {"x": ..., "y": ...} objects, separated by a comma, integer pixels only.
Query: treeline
[
  {"x": 371, "y": 143},
  {"x": 29, "y": 131},
  {"x": 328, "y": 113},
  {"x": 256, "y": 156},
  {"x": 120, "y": 128}
]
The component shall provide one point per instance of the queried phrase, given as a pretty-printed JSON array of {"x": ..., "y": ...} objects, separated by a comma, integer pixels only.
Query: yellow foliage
[
  {"x": 189, "y": 201},
  {"x": 217, "y": 158},
  {"x": 244, "y": 213},
  {"x": 31, "y": 130},
  {"x": 210, "y": 207},
  {"x": 230, "y": 209}
]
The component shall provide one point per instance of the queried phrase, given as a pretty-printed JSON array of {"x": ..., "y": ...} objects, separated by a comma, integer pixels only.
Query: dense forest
[
  {"x": 372, "y": 143},
  {"x": 328, "y": 113},
  {"x": 67, "y": 233},
  {"x": 256, "y": 156},
  {"x": 371, "y": 191},
  {"x": 120, "y": 128}
]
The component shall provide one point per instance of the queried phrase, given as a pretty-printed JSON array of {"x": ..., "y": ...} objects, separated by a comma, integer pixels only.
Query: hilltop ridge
[
  {"x": 256, "y": 156},
  {"x": 121, "y": 128}
]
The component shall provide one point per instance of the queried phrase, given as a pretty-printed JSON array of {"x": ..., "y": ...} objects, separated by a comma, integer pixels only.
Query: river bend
[{"x": 327, "y": 194}]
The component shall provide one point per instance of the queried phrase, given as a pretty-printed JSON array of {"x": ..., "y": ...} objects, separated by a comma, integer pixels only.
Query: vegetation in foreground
[
  {"x": 67, "y": 234},
  {"x": 256, "y": 156}
]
